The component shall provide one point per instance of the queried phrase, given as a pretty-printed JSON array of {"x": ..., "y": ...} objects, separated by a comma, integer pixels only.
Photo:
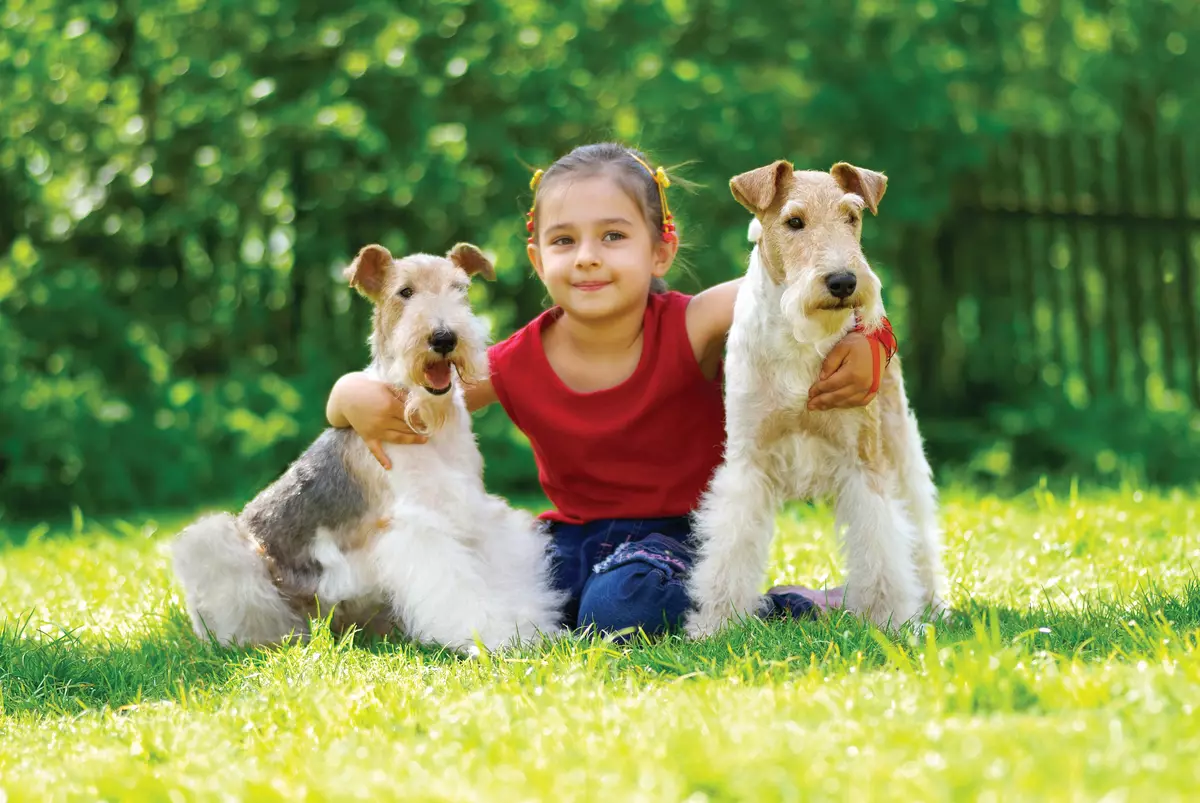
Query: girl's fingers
[
  {"x": 834, "y": 361},
  {"x": 848, "y": 396},
  {"x": 836, "y": 381},
  {"x": 404, "y": 436},
  {"x": 396, "y": 420},
  {"x": 398, "y": 425},
  {"x": 376, "y": 448}
]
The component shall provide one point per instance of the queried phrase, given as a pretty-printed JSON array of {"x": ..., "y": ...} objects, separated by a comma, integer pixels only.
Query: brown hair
[{"x": 631, "y": 175}]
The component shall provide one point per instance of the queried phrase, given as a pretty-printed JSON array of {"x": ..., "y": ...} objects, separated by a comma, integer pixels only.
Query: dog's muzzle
[
  {"x": 439, "y": 377},
  {"x": 841, "y": 285},
  {"x": 443, "y": 341}
]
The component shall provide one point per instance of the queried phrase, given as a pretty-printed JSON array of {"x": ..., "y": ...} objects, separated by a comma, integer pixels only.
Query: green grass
[{"x": 1069, "y": 672}]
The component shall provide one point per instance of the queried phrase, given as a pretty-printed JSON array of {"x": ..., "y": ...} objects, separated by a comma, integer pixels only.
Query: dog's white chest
[{"x": 767, "y": 368}]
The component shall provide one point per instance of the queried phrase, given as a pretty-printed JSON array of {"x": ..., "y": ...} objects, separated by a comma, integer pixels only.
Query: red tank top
[{"x": 645, "y": 448}]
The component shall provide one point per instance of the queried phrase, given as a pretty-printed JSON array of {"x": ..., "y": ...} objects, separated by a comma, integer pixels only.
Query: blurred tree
[{"x": 180, "y": 180}]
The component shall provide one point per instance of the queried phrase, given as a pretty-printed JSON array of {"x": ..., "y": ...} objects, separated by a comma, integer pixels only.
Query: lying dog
[
  {"x": 806, "y": 280},
  {"x": 423, "y": 548}
]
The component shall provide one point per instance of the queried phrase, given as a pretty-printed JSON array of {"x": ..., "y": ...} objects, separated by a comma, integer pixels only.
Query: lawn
[{"x": 1070, "y": 671}]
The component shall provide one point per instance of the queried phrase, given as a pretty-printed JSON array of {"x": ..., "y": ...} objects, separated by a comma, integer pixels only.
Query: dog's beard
[
  {"x": 816, "y": 316},
  {"x": 870, "y": 310},
  {"x": 426, "y": 414},
  {"x": 812, "y": 320},
  {"x": 430, "y": 383},
  {"x": 403, "y": 359}
]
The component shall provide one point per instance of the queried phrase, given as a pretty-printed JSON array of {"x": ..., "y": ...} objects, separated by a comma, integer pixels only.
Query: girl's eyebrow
[{"x": 608, "y": 221}]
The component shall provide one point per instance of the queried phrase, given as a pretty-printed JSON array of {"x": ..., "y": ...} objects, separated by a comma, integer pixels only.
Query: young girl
[{"x": 618, "y": 389}]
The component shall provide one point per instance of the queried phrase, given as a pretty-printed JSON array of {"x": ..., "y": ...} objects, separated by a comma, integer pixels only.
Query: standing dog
[
  {"x": 806, "y": 280},
  {"x": 423, "y": 548}
]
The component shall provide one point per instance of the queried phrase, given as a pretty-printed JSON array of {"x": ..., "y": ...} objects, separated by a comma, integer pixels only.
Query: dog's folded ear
[
  {"x": 756, "y": 190},
  {"x": 472, "y": 260},
  {"x": 867, "y": 184},
  {"x": 366, "y": 273}
]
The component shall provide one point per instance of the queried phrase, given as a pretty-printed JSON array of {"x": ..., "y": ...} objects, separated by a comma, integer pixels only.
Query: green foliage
[
  {"x": 180, "y": 180},
  {"x": 1016, "y": 442}
]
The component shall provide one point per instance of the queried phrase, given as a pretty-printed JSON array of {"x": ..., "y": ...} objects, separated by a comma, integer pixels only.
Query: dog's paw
[
  {"x": 921, "y": 629},
  {"x": 885, "y": 614},
  {"x": 696, "y": 628},
  {"x": 939, "y": 611},
  {"x": 701, "y": 624}
]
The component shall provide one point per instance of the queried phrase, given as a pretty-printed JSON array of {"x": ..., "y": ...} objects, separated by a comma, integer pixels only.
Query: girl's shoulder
[
  {"x": 669, "y": 303},
  {"x": 520, "y": 348}
]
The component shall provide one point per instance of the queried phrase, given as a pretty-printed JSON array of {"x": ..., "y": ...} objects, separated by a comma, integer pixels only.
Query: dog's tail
[{"x": 228, "y": 589}]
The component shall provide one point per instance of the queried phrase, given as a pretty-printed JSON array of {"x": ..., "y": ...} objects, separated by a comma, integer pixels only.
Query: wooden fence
[{"x": 1069, "y": 261}]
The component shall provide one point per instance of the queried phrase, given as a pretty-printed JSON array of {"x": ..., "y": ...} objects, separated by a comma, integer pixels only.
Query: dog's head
[
  {"x": 809, "y": 230},
  {"x": 424, "y": 329}
]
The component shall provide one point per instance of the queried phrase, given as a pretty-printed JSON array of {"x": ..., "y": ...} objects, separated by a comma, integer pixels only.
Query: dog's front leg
[
  {"x": 434, "y": 584},
  {"x": 734, "y": 527},
  {"x": 882, "y": 578}
]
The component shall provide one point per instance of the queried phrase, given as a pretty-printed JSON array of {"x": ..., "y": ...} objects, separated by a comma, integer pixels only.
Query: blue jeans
[{"x": 631, "y": 573}]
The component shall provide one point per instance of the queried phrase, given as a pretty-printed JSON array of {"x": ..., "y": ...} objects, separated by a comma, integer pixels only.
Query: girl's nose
[{"x": 587, "y": 255}]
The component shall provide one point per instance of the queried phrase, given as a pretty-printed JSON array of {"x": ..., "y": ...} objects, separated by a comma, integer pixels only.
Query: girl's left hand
[{"x": 846, "y": 375}]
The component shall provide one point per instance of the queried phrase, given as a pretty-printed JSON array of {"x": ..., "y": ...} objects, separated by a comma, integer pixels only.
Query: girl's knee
[{"x": 640, "y": 586}]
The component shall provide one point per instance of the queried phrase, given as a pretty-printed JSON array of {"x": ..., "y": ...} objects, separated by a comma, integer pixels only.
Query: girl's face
[{"x": 594, "y": 251}]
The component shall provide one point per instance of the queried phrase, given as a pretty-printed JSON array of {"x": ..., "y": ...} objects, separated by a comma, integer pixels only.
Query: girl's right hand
[{"x": 374, "y": 410}]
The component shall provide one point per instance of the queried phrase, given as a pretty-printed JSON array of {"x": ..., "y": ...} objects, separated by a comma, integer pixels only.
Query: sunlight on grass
[{"x": 1071, "y": 672}]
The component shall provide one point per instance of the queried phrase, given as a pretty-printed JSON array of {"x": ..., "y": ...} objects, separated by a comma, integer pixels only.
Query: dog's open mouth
[{"x": 438, "y": 376}]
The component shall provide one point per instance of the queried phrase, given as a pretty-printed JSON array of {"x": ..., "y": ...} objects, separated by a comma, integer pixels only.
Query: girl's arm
[
  {"x": 709, "y": 317},
  {"x": 849, "y": 374},
  {"x": 375, "y": 410}
]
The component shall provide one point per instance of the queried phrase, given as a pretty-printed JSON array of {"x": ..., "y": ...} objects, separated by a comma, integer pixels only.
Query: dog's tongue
[{"x": 437, "y": 375}]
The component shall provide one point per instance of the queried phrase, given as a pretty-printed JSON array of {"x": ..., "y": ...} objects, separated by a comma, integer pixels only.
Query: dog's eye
[
  {"x": 407, "y": 292},
  {"x": 796, "y": 223},
  {"x": 852, "y": 218},
  {"x": 462, "y": 288}
]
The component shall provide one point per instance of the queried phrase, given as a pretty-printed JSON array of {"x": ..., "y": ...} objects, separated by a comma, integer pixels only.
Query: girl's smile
[{"x": 590, "y": 286}]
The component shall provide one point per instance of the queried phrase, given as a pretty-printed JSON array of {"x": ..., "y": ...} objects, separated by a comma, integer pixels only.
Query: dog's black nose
[
  {"x": 841, "y": 285},
  {"x": 443, "y": 341}
]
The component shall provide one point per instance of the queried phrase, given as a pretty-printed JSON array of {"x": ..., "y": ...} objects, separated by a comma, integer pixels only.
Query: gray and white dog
[{"x": 423, "y": 548}]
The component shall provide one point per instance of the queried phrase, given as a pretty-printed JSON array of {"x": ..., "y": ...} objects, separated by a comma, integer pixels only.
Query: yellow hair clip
[
  {"x": 533, "y": 183},
  {"x": 660, "y": 178}
]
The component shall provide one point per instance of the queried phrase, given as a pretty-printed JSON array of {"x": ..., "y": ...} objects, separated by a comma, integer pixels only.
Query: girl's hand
[
  {"x": 374, "y": 410},
  {"x": 846, "y": 375}
]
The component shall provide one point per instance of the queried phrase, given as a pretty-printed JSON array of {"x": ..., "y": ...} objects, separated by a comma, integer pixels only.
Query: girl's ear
[
  {"x": 535, "y": 259},
  {"x": 664, "y": 257}
]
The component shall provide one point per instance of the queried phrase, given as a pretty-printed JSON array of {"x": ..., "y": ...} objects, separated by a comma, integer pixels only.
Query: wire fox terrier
[
  {"x": 806, "y": 281},
  {"x": 423, "y": 548}
]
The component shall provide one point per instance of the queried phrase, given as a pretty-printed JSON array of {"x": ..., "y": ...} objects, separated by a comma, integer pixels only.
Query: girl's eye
[
  {"x": 561, "y": 241},
  {"x": 407, "y": 292},
  {"x": 615, "y": 235},
  {"x": 795, "y": 223}
]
